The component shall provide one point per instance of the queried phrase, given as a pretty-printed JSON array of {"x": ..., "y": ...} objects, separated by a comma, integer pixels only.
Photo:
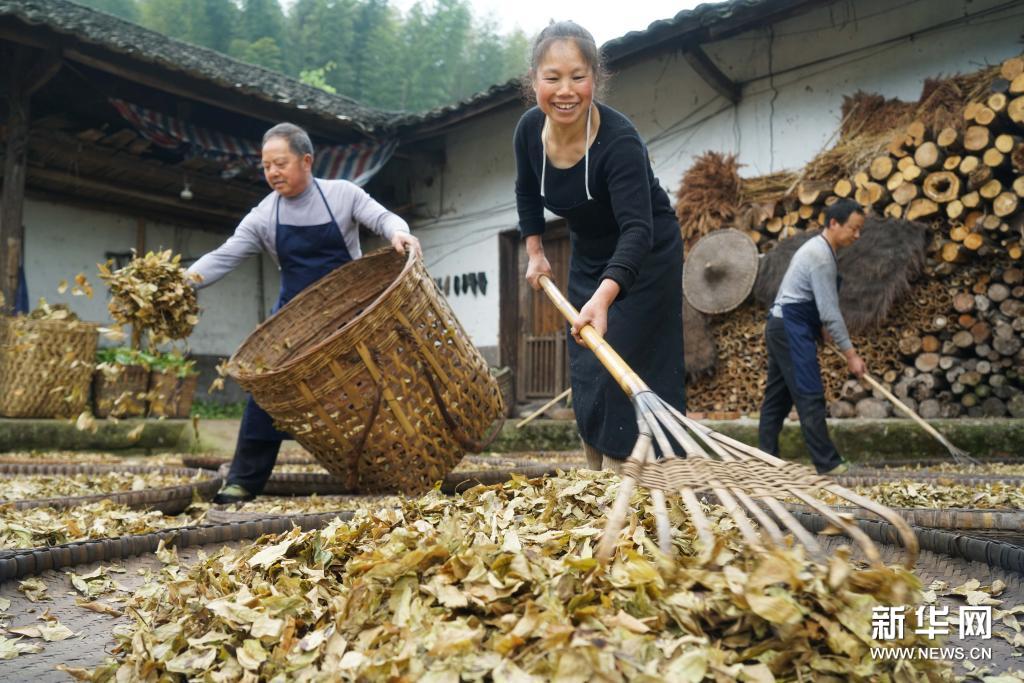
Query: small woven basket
[
  {"x": 371, "y": 372},
  {"x": 122, "y": 394},
  {"x": 170, "y": 395},
  {"x": 45, "y": 366}
]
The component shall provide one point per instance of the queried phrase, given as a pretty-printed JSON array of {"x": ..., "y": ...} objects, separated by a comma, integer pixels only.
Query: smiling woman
[{"x": 584, "y": 161}]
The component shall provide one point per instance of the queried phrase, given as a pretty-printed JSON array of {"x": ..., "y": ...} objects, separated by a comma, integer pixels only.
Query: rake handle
[
  {"x": 612, "y": 361},
  {"x": 902, "y": 407},
  {"x": 907, "y": 410}
]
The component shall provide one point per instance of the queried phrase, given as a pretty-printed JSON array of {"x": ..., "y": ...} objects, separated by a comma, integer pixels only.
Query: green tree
[
  {"x": 321, "y": 31},
  {"x": 377, "y": 72},
  {"x": 261, "y": 19},
  {"x": 263, "y": 52}
]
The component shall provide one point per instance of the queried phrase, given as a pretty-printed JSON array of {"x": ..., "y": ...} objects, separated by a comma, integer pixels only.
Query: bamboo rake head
[{"x": 747, "y": 482}]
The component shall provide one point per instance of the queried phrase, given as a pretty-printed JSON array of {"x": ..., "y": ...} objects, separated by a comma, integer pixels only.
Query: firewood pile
[{"x": 954, "y": 160}]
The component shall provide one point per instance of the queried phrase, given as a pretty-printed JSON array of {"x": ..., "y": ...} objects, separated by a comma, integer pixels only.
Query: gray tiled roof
[{"x": 142, "y": 45}]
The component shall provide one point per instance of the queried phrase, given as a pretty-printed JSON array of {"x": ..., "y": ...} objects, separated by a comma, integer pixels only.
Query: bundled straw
[
  {"x": 154, "y": 293},
  {"x": 708, "y": 196}
]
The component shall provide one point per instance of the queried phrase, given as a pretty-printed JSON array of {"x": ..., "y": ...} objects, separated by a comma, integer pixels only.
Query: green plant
[
  {"x": 211, "y": 410},
  {"x": 123, "y": 355},
  {"x": 174, "y": 362}
]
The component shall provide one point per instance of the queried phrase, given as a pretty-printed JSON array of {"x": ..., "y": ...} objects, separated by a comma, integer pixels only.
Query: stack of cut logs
[
  {"x": 968, "y": 181},
  {"x": 974, "y": 364}
]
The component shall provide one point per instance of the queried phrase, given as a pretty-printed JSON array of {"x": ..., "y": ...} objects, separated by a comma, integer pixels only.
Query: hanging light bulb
[{"x": 186, "y": 192}]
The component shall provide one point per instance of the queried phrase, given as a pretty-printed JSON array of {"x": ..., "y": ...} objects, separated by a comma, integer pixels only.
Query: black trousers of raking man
[{"x": 782, "y": 393}]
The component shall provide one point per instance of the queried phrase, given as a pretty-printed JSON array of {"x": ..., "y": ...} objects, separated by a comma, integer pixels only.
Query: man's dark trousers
[{"x": 781, "y": 394}]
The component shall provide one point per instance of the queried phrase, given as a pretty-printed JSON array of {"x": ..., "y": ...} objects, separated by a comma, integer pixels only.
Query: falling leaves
[
  {"x": 47, "y": 311},
  {"x": 153, "y": 293}
]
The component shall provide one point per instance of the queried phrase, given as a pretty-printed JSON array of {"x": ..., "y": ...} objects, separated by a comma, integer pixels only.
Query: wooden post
[{"x": 22, "y": 80}]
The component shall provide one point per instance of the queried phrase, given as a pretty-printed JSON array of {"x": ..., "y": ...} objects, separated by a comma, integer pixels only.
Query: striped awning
[{"x": 356, "y": 162}]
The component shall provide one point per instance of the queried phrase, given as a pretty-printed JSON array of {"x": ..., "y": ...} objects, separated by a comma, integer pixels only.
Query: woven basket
[
  {"x": 170, "y": 395},
  {"x": 120, "y": 395},
  {"x": 371, "y": 372},
  {"x": 45, "y": 366}
]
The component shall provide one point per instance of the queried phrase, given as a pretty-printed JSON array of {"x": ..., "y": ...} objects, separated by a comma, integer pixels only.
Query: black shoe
[{"x": 232, "y": 493}]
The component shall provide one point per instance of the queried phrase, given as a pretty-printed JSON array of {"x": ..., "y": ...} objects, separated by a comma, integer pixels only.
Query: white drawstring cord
[{"x": 586, "y": 158}]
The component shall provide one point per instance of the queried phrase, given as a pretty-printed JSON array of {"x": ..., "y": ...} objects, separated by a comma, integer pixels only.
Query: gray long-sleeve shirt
[
  {"x": 811, "y": 276},
  {"x": 257, "y": 232}
]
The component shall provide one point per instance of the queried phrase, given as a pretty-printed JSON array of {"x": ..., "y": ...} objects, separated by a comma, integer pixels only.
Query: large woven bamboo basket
[
  {"x": 45, "y": 366},
  {"x": 372, "y": 373}
]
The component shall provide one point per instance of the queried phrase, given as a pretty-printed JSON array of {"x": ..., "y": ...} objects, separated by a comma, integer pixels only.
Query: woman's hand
[
  {"x": 403, "y": 240},
  {"x": 538, "y": 264},
  {"x": 595, "y": 311}
]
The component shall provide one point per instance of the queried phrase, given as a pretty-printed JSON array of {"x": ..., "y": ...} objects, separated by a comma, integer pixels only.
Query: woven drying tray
[
  {"x": 883, "y": 465},
  {"x": 213, "y": 462},
  {"x": 170, "y": 500},
  {"x": 456, "y": 481},
  {"x": 958, "y": 519},
  {"x": 45, "y": 366},
  {"x": 863, "y": 476},
  {"x": 16, "y": 564},
  {"x": 372, "y": 373}
]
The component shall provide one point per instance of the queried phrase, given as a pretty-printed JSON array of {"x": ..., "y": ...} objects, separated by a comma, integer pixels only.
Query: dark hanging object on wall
[
  {"x": 481, "y": 279},
  {"x": 472, "y": 283},
  {"x": 458, "y": 285},
  {"x": 465, "y": 284},
  {"x": 447, "y": 285}
]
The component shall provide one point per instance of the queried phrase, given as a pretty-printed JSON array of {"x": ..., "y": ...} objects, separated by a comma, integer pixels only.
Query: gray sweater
[
  {"x": 257, "y": 232},
  {"x": 811, "y": 276}
]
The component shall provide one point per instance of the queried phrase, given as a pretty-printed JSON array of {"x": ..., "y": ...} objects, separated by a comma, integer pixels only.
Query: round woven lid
[{"x": 720, "y": 271}]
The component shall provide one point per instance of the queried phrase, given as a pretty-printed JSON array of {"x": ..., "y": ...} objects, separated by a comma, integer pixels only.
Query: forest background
[{"x": 434, "y": 54}]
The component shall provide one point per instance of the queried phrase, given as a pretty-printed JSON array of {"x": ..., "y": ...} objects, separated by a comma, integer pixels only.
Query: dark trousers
[
  {"x": 253, "y": 462},
  {"x": 781, "y": 394}
]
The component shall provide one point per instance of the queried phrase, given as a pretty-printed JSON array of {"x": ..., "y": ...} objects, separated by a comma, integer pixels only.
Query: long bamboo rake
[
  {"x": 746, "y": 481},
  {"x": 960, "y": 456}
]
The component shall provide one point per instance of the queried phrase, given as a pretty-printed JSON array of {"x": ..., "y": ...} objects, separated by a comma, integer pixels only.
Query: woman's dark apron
[
  {"x": 305, "y": 253},
  {"x": 645, "y": 327},
  {"x": 803, "y": 325}
]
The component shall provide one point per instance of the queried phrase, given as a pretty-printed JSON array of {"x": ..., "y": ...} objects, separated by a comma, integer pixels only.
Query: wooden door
[{"x": 533, "y": 334}]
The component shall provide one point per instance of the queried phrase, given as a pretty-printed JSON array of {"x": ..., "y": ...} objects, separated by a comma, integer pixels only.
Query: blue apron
[
  {"x": 305, "y": 253},
  {"x": 803, "y": 332}
]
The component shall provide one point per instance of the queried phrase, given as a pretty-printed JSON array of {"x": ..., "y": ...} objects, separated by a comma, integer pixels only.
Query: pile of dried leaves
[
  {"x": 942, "y": 494},
  {"x": 30, "y": 486},
  {"x": 46, "y": 526},
  {"x": 154, "y": 293},
  {"x": 502, "y": 585},
  {"x": 47, "y": 311},
  {"x": 1007, "y": 469},
  {"x": 88, "y": 458}
]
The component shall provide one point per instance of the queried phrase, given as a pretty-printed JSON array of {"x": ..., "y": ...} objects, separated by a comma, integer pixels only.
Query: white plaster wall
[
  {"x": 63, "y": 240},
  {"x": 781, "y": 122}
]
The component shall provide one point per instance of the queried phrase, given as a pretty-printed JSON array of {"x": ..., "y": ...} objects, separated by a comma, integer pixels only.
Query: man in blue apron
[
  {"x": 806, "y": 308},
  {"x": 309, "y": 226}
]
